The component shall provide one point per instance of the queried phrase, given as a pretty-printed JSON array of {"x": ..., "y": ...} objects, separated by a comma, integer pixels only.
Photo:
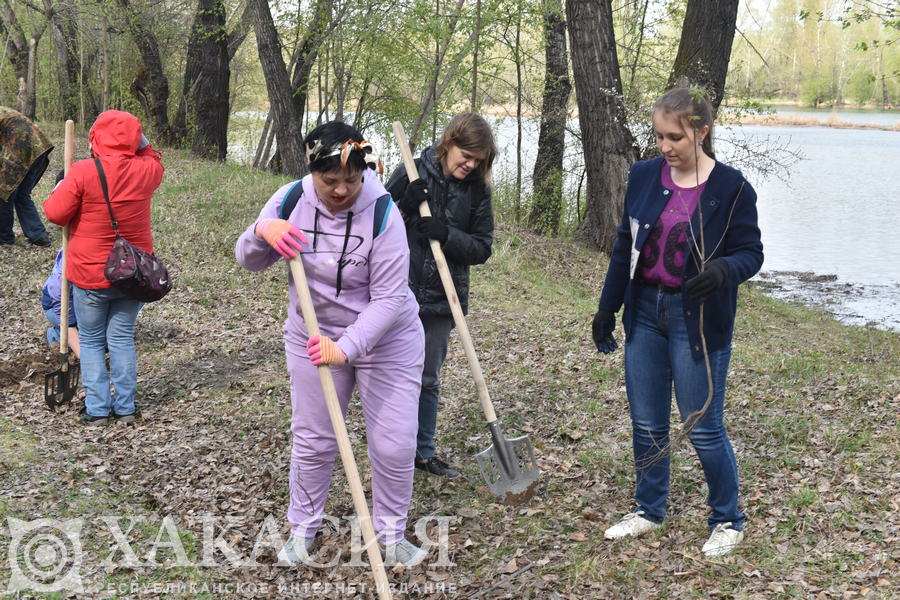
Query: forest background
[{"x": 212, "y": 74}]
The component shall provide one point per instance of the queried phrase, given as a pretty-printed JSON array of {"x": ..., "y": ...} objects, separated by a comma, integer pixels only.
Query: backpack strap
[
  {"x": 290, "y": 200},
  {"x": 382, "y": 207}
]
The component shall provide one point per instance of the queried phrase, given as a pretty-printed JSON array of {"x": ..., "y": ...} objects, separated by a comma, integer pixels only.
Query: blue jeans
[
  {"x": 437, "y": 336},
  {"x": 106, "y": 319},
  {"x": 52, "y": 333},
  {"x": 20, "y": 200},
  {"x": 658, "y": 355}
]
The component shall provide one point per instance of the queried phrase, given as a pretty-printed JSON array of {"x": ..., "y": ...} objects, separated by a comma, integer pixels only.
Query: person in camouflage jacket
[
  {"x": 24, "y": 151},
  {"x": 454, "y": 178}
]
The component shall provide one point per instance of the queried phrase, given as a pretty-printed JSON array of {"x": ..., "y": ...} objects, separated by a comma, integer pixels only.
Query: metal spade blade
[{"x": 508, "y": 466}]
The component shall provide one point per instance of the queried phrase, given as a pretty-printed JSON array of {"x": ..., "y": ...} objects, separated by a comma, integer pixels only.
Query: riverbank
[
  {"x": 809, "y": 117},
  {"x": 828, "y": 120},
  {"x": 811, "y": 413},
  {"x": 849, "y": 302}
]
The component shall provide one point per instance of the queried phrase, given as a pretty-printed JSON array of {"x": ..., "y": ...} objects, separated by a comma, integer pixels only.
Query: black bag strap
[{"x": 115, "y": 224}]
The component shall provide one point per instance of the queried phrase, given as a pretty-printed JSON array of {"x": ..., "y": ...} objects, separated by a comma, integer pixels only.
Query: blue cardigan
[{"x": 730, "y": 231}]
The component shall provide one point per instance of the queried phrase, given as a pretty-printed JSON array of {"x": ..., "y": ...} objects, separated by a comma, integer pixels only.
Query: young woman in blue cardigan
[{"x": 688, "y": 238}]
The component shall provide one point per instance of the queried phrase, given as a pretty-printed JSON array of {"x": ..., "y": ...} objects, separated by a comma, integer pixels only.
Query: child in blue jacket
[{"x": 51, "y": 299}]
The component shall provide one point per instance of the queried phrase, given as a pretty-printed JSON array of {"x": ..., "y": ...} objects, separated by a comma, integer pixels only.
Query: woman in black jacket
[{"x": 454, "y": 178}]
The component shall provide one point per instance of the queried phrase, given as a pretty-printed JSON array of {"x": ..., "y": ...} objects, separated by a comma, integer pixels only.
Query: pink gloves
[
  {"x": 322, "y": 351},
  {"x": 285, "y": 237}
]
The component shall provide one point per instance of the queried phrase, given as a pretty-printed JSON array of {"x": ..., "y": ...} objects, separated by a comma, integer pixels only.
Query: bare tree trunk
[
  {"x": 258, "y": 157},
  {"x": 307, "y": 52},
  {"x": 204, "y": 108},
  {"x": 301, "y": 65},
  {"x": 519, "y": 115},
  {"x": 29, "y": 102},
  {"x": 609, "y": 147},
  {"x": 237, "y": 35},
  {"x": 547, "y": 179},
  {"x": 278, "y": 85},
  {"x": 705, "y": 47},
  {"x": 437, "y": 86},
  {"x": 64, "y": 30},
  {"x": 340, "y": 91},
  {"x": 474, "y": 104},
  {"x": 150, "y": 86},
  {"x": 205, "y": 92},
  {"x": 104, "y": 67},
  {"x": 21, "y": 54},
  {"x": 640, "y": 44}
]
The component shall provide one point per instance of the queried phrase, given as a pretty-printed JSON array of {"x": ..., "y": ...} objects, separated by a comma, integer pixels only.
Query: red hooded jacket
[{"x": 132, "y": 176}]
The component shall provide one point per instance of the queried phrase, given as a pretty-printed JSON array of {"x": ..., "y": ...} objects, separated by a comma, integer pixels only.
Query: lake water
[
  {"x": 829, "y": 230},
  {"x": 857, "y": 116},
  {"x": 836, "y": 215}
]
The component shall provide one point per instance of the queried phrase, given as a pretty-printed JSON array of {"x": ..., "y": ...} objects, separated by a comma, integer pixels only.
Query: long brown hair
[
  {"x": 470, "y": 132},
  {"x": 693, "y": 108}
]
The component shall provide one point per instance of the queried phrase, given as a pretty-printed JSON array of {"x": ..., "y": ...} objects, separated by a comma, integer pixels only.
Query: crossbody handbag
[{"x": 137, "y": 273}]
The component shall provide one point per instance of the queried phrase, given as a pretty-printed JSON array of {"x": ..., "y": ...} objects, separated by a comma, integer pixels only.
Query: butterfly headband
[{"x": 317, "y": 151}]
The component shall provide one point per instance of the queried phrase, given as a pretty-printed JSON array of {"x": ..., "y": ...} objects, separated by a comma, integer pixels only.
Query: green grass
[{"x": 811, "y": 411}]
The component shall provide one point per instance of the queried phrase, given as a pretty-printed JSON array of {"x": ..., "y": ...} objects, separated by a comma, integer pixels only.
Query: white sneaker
[
  {"x": 723, "y": 540},
  {"x": 633, "y": 524},
  {"x": 403, "y": 553},
  {"x": 296, "y": 550}
]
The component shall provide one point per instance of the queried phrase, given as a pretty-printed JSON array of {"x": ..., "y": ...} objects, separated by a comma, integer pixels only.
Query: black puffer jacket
[{"x": 465, "y": 206}]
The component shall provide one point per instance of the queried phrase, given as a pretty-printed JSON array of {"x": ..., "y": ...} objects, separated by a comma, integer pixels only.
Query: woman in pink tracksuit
[{"x": 353, "y": 245}]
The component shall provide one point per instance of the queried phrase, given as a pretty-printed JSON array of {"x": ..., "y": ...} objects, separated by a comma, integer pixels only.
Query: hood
[
  {"x": 115, "y": 134},
  {"x": 431, "y": 163}
]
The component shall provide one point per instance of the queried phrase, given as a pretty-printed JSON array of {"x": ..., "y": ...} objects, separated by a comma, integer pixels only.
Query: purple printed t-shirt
[{"x": 662, "y": 256}]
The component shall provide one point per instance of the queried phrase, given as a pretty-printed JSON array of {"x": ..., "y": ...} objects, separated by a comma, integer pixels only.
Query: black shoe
[
  {"x": 128, "y": 419},
  {"x": 7, "y": 242},
  {"x": 87, "y": 419},
  {"x": 43, "y": 241},
  {"x": 436, "y": 466}
]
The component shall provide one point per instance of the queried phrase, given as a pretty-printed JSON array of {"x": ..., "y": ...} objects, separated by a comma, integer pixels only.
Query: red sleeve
[
  {"x": 152, "y": 159},
  {"x": 64, "y": 201}
]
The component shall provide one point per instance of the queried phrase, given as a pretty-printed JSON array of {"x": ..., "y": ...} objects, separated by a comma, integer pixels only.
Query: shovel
[
  {"x": 340, "y": 432},
  {"x": 60, "y": 385},
  {"x": 507, "y": 465}
]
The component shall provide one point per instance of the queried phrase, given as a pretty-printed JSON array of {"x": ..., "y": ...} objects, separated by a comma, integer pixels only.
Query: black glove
[
  {"x": 711, "y": 279},
  {"x": 416, "y": 193},
  {"x": 60, "y": 176},
  {"x": 602, "y": 330},
  {"x": 431, "y": 229}
]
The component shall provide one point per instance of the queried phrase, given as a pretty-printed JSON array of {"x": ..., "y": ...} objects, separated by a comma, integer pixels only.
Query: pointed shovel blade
[{"x": 515, "y": 480}]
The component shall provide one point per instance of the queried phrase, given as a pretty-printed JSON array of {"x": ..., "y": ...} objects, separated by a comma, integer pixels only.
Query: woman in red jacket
[{"x": 106, "y": 317}]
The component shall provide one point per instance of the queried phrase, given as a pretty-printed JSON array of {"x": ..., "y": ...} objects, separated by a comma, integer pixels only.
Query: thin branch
[{"x": 749, "y": 43}]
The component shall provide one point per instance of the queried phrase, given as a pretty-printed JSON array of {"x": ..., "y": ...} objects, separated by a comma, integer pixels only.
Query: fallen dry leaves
[{"x": 812, "y": 415}]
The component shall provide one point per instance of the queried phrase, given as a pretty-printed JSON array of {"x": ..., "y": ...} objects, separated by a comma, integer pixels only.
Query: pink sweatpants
[{"x": 389, "y": 380}]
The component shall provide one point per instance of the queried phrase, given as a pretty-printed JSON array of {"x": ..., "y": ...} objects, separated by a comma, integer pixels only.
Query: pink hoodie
[{"x": 375, "y": 305}]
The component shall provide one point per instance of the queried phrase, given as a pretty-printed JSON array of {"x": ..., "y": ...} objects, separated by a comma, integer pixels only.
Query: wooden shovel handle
[
  {"x": 68, "y": 153},
  {"x": 449, "y": 289},
  {"x": 340, "y": 432}
]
